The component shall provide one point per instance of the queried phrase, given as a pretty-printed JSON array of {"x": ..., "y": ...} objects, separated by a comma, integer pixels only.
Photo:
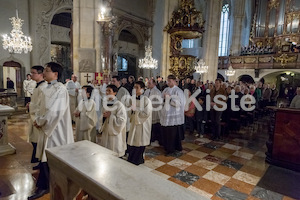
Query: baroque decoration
[
  {"x": 273, "y": 3},
  {"x": 186, "y": 23},
  {"x": 182, "y": 66},
  {"x": 17, "y": 42},
  {"x": 43, "y": 22},
  {"x": 284, "y": 59}
]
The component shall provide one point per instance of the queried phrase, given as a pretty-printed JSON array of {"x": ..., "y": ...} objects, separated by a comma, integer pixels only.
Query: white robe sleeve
[
  {"x": 143, "y": 114},
  {"x": 178, "y": 99},
  {"x": 56, "y": 106},
  {"x": 118, "y": 121},
  {"x": 71, "y": 88},
  {"x": 91, "y": 113}
]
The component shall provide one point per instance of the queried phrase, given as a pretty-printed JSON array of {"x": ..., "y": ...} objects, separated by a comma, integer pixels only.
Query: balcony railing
[{"x": 267, "y": 61}]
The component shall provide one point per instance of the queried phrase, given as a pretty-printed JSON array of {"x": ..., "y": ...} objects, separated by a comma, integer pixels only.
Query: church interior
[{"x": 237, "y": 41}]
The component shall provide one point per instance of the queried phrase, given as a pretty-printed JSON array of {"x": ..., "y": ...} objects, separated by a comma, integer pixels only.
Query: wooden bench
[{"x": 102, "y": 175}]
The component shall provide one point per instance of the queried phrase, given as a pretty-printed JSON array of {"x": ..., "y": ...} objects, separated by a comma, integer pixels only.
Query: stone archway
[
  {"x": 43, "y": 21},
  {"x": 283, "y": 79},
  {"x": 140, "y": 31},
  {"x": 221, "y": 77},
  {"x": 128, "y": 51},
  {"x": 13, "y": 70},
  {"x": 61, "y": 41},
  {"x": 245, "y": 78}
]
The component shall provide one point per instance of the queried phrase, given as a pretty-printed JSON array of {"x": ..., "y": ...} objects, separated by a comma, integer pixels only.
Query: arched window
[{"x": 224, "y": 31}]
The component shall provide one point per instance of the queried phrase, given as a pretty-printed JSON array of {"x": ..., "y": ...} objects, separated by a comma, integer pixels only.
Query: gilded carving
[
  {"x": 250, "y": 60},
  {"x": 186, "y": 21},
  {"x": 265, "y": 59},
  {"x": 182, "y": 66},
  {"x": 252, "y": 33},
  {"x": 284, "y": 59},
  {"x": 259, "y": 44},
  {"x": 236, "y": 60},
  {"x": 273, "y": 4},
  {"x": 176, "y": 45}
]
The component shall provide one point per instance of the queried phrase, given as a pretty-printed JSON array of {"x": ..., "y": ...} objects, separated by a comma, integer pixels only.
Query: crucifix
[{"x": 87, "y": 77}]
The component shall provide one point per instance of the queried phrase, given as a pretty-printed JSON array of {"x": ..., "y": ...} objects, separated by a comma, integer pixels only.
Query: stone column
[
  {"x": 238, "y": 15},
  {"x": 170, "y": 6},
  {"x": 211, "y": 38},
  {"x": 5, "y": 147}
]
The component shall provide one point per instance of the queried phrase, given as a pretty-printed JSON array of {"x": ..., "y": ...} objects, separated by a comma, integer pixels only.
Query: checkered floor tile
[{"x": 228, "y": 169}]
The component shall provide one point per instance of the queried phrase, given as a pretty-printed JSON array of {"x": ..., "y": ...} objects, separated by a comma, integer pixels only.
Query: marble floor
[{"x": 229, "y": 169}]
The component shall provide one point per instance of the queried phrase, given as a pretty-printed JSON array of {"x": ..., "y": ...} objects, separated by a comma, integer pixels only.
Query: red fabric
[{"x": 191, "y": 110}]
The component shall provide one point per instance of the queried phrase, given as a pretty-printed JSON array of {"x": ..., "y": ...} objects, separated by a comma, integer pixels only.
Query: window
[
  {"x": 224, "y": 31},
  {"x": 122, "y": 64}
]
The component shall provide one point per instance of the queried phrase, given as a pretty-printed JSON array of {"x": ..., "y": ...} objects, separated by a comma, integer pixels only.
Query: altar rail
[{"x": 102, "y": 175}]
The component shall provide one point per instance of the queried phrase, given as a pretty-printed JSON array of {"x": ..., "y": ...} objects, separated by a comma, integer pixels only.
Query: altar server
[
  {"x": 73, "y": 87},
  {"x": 140, "y": 125},
  {"x": 113, "y": 122},
  {"x": 155, "y": 96},
  {"x": 54, "y": 120},
  {"x": 172, "y": 116},
  {"x": 34, "y": 106},
  {"x": 28, "y": 86},
  {"x": 86, "y": 116}
]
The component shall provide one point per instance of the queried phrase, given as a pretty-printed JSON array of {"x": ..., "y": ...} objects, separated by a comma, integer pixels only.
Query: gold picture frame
[{"x": 285, "y": 48}]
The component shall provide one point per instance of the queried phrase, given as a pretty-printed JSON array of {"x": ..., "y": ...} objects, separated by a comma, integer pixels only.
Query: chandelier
[
  {"x": 200, "y": 67},
  {"x": 17, "y": 42},
  {"x": 148, "y": 62},
  {"x": 230, "y": 71}
]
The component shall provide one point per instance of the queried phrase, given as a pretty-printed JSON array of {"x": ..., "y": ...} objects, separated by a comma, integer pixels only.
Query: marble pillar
[
  {"x": 211, "y": 38},
  {"x": 5, "y": 147},
  {"x": 239, "y": 14}
]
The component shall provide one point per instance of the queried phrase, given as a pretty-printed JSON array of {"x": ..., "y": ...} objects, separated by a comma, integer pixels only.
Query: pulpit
[
  {"x": 284, "y": 138},
  {"x": 5, "y": 147}
]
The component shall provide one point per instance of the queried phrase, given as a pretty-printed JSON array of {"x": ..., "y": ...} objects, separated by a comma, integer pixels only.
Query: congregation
[{"x": 128, "y": 116}]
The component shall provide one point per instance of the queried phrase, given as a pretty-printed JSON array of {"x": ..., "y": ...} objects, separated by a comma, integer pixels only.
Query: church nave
[{"x": 227, "y": 169}]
